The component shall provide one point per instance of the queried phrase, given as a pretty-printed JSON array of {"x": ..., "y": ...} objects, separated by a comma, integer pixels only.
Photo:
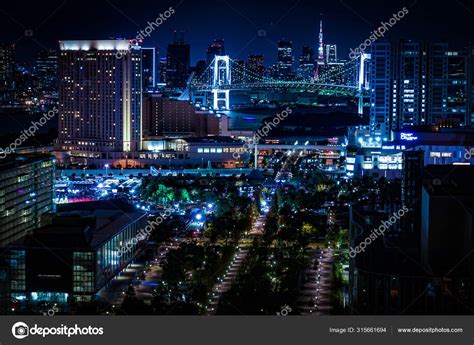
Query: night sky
[{"x": 346, "y": 23}]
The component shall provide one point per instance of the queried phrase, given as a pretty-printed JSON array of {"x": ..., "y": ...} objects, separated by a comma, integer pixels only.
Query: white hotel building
[{"x": 100, "y": 99}]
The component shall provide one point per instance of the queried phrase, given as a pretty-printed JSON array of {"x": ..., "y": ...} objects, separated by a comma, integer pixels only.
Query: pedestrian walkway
[{"x": 315, "y": 295}]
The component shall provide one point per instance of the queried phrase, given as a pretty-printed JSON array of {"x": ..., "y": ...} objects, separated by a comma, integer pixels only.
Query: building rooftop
[
  {"x": 83, "y": 225},
  {"x": 123, "y": 44},
  {"x": 14, "y": 161},
  {"x": 449, "y": 180},
  {"x": 213, "y": 140}
]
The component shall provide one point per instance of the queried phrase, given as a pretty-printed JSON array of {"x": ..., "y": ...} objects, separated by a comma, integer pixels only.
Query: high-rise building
[
  {"x": 177, "y": 62},
  {"x": 162, "y": 69},
  {"x": 47, "y": 70},
  {"x": 149, "y": 58},
  {"x": 26, "y": 192},
  {"x": 447, "y": 226},
  {"x": 306, "y": 68},
  {"x": 331, "y": 53},
  {"x": 200, "y": 67},
  {"x": 100, "y": 91},
  {"x": 240, "y": 74},
  {"x": 412, "y": 179},
  {"x": 458, "y": 89},
  {"x": 165, "y": 117},
  {"x": 216, "y": 48},
  {"x": 256, "y": 64},
  {"x": 332, "y": 73},
  {"x": 7, "y": 74},
  {"x": 380, "y": 83},
  {"x": 409, "y": 85},
  {"x": 284, "y": 65}
]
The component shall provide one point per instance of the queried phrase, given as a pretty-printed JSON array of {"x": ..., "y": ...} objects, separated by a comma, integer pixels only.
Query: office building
[
  {"x": 7, "y": 74},
  {"x": 165, "y": 117},
  {"x": 177, "y": 62},
  {"x": 331, "y": 53},
  {"x": 256, "y": 64},
  {"x": 216, "y": 48},
  {"x": 100, "y": 91},
  {"x": 447, "y": 214},
  {"x": 26, "y": 192},
  {"x": 195, "y": 152},
  {"x": 162, "y": 70},
  {"x": 458, "y": 89},
  {"x": 382, "y": 278},
  {"x": 284, "y": 65},
  {"x": 372, "y": 155},
  {"x": 332, "y": 73},
  {"x": 409, "y": 85},
  {"x": 75, "y": 255},
  {"x": 149, "y": 71},
  {"x": 306, "y": 68},
  {"x": 47, "y": 71}
]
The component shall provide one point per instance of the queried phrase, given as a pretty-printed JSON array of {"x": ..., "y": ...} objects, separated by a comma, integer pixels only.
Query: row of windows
[{"x": 220, "y": 149}]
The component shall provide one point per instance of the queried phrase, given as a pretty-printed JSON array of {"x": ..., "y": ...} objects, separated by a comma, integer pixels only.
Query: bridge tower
[
  {"x": 221, "y": 76},
  {"x": 362, "y": 82}
]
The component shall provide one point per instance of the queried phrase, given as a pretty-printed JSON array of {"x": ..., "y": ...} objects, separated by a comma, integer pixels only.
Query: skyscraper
[
  {"x": 177, "y": 62},
  {"x": 100, "y": 90},
  {"x": 332, "y": 73},
  {"x": 256, "y": 64},
  {"x": 409, "y": 82},
  {"x": 331, "y": 53},
  {"x": 306, "y": 68},
  {"x": 216, "y": 48},
  {"x": 47, "y": 70},
  {"x": 149, "y": 58},
  {"x": 458, "y": 88},
  {"x": 162, "y": 69},
  {"x": 7, "y": 74},
  {"x": 380, "y": 98},
  {"x": 284, "y": 66},
  {"x": 26, "y": 189}
]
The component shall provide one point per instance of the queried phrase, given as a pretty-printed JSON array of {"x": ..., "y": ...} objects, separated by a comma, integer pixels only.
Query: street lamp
[{"x": 106, "y": 169}]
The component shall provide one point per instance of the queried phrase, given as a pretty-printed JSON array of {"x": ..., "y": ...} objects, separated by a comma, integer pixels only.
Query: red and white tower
[
  {"x": 321, "y": 44},
  {"x": 320, "y": 60}
]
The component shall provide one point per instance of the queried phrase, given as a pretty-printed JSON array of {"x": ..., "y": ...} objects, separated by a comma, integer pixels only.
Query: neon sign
[{"x": 408, "y": 137}]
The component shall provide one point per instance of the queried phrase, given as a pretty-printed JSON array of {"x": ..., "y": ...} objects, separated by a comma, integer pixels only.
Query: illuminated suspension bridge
[{"x": 225, "y": 75}]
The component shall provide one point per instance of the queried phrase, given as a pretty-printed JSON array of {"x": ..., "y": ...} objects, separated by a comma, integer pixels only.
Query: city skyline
[
  {"x": 344, "y": 25},
  {"x": 289, "y": 158}
]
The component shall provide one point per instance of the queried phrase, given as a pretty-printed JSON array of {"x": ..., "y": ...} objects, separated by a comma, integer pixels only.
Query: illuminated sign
[{"x": 408, "y": 137}]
